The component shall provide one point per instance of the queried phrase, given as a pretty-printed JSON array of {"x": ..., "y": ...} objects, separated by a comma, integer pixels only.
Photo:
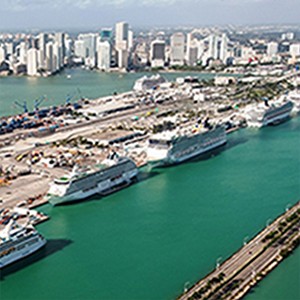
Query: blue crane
[
  {"x": 23, "y": 106},
  {"x": 37, "y": 102},
  {"x": 69, "y": 98}
]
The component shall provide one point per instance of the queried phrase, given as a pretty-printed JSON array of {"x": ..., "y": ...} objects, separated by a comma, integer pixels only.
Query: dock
[{"x": 244, "y": 269}]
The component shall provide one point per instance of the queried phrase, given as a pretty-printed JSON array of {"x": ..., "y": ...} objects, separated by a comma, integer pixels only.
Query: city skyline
[{"x": 41, "y": 14}]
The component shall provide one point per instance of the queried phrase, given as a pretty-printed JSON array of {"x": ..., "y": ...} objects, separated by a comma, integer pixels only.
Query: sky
[{"x": 63, "y": 14}]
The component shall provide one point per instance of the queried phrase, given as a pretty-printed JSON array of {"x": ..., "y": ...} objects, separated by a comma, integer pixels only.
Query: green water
[
  {"x": 91, "y": 84},
  {"x": 282, "y": 283},
  {"x": 146, "y": 241}
]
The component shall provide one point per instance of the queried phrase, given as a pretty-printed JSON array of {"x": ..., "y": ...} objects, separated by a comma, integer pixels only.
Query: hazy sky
[{"x": 35, "y": 14}]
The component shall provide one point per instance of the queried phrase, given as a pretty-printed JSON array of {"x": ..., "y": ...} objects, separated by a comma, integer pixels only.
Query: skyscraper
[
  {"x": 49, "y": 58},
  {"x": 121, "y": 41},
  {"x": 213, "y": 46},
  {"x": 42, "y": 50},
  {"x": 272, "y": 48},
  {"x": 2, "y": 53},
  {"x": 223, "y": 48},
  {"x": 121, "y": 44},
  {"x": 157, "y": 55},
  {"x": 79, "y": 49},
  {"x": 60, "y": 41},
  {"x": 32, "y": 63},
  {"x": 177, "y": 49},
  {"x": 103, "y": 55}
]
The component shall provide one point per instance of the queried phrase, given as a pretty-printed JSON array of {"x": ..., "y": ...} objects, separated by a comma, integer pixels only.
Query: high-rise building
[
  {"x": 9, "y": 48},
  {"x": 193, "y": 52},
  {"x": 68, "y": 48},
  {"x": 177, "y": 49},
  {"x": 49, "y": 58},
  {"x": 23, "y": 53},
  {"x": 103, "y": 55},
  {"x": 2, "y": 53},
  {"x": 32, "y": 62},
  {"x": 122, "y": 58},
  {"x": 130, "y": 39},
  {"x": 89, "y": 40},
  {"x": 157, "y": 53},
  {"x": 56, "y": 57},
  {"x": 60, "y": 41},
  {"x": 295, "y": 50},
  {"x": 121, "y": 44},
  {"x": 213, "y": 46},
  {"x": 121, "y": 41},
  {"x": 288, "y": 36},
  {"x": 42, "y": 50},
  {"x": 79, "y": 49},
  {"x": 223, "y": 55},
  {"x": 272, "y": 48}
]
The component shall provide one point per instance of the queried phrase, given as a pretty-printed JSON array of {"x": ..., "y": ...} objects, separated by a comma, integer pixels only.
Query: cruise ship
[
  {"x": 294, "y": 96},
  {"x": 173, "y": 147},
  {"x": 146, "y": 83},
  {"x": 269, "y": 114},
  {"x": 17, "y": 242},
  {"x": 111, "y": 175}
]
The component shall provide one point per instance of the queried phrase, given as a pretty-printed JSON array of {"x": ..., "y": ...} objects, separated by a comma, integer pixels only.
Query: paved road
[{"x": 248, "y": 252}]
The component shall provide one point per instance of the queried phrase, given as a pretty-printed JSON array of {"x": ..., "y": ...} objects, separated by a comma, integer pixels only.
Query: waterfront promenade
[{"x": 236, "y": 276}]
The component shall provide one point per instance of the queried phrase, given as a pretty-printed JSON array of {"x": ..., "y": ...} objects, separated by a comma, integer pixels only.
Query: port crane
[
  {"x": 23, "y": 106},
  {"x": 37, "y": 102}
]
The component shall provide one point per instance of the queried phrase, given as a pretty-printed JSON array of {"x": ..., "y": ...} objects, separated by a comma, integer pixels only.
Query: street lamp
[
  {"x": 245, "y": 240},
  {"x": 218, "y": 262}
]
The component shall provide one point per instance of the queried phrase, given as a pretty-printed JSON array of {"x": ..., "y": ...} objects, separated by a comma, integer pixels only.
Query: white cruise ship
[
  {"x": 268, "y": 113},
  {"x": 172, "y": 147},
  {"x": 17, "y": 242},
  {"x": 146, "y": 83},
  {"x": 113, "y": 174}
]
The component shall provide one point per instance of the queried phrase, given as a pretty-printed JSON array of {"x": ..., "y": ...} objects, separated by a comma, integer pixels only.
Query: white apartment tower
[
  {"x": 103, "y": 55},
  {"x": 2, "y": 53},
  {"x": 177, "y": 49},
  {"x": 32, "y": 62},
  {"x": 223, "y": 48},
  {"x": 295, "y": 50},
  {"x": 23, "y": 53},
  {"x": 213, "y": 46},
  {"x": 79, "y": 49},
  {"x": 272, "y": 48},
  {"x": 49, "y": 58}
]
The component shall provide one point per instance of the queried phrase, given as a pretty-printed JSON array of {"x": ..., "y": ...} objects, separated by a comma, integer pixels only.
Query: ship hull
[
  {"x": 102, "y": 189},
  {"x": 20, "y": 254},
  {"x": 172, "y": 160}
]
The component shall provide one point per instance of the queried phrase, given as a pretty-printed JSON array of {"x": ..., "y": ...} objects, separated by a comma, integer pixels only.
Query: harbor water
[
  {"x": 76, "y": 83},
  {"x": 167, "y": 231}
]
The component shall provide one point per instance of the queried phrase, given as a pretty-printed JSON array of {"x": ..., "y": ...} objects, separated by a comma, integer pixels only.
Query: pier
[{"x": 240, "y": 272}]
